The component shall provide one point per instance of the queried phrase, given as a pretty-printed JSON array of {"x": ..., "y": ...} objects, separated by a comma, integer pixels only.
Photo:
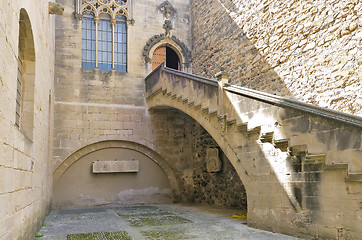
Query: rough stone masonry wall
[
  {"x": 25, "y": 178},
  {"x": 310, "y": 50},
  {"x": 222, "y": 188},
  {"x": 183, "y": 143}
]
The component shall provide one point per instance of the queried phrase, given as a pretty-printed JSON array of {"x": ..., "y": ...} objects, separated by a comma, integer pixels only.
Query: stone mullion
[
  {"x": 96, "y": 21},
  {"x": 113, "y": 22}
]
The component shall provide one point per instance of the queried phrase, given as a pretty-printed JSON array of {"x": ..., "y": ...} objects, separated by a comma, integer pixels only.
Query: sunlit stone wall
[
  {"x": 310, "y": 50},
  {"x": 25, "y": 174}
]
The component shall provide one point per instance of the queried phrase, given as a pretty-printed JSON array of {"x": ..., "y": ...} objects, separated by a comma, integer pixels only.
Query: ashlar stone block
[{"x": 116, "y": 166}]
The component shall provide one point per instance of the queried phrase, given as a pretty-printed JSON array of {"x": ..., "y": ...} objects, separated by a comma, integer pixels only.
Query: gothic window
[{"x": 104, "y": 34}]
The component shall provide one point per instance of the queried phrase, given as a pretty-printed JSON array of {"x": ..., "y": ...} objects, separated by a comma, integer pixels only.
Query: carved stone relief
[{"x": 167, "y": 9}]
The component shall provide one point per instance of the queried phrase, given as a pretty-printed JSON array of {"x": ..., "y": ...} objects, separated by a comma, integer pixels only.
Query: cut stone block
[{"x": 115, "y": 166}]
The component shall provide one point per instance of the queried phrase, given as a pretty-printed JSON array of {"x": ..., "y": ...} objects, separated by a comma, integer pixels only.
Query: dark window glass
[
  {"x": 88, "y": 41},
  {"x": 105, "y": 43},
  {"x": 120, "y": 45}
]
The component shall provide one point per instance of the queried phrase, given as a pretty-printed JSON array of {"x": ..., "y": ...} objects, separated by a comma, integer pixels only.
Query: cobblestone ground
[{"x": 168, "y": 222}]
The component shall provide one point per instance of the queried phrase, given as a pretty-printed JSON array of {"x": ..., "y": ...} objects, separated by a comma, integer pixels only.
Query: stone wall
[
  {"x": 92, "y": 106},
  {"x": 309, "y": 50},
  {"x": 220, "y": 188},
  {"x": 184, "y": 143},
  {"x": 25, "y": 170}
]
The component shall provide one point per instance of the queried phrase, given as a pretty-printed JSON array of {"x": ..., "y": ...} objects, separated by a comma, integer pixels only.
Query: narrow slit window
[{"x": 18, "y": 92}]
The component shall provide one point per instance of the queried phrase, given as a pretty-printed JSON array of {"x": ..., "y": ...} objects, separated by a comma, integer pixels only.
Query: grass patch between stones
[
  {"x": 155, "y": 220},
  {"x": 121, "y": 235},
  {"x": 163, "y": 234}
]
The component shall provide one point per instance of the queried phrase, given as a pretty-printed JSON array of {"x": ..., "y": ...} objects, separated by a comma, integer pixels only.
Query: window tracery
[
  {"x": 104, "y": 34},
  {"x": 110, "y": 7}
]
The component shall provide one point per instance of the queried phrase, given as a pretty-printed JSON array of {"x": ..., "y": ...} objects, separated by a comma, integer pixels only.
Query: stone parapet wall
[{"x": 303, "y": 49}]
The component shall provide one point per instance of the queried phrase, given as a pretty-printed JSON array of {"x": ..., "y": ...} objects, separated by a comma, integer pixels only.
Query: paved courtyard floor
[{"x": 161, "y": 221}]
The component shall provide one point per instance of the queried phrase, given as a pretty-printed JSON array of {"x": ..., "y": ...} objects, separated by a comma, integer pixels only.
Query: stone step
[
  {"x": 267, "y": 137},
  {"x": 354, "y": 177},
  {"x": 231, "y": 121},
  {"x": 320, "y": 157},
  {"x": 298, "y": 149},
  {"x": 197, "y": 106},
  {"x": 282, "y": 144},
  {"x": 254, "y": 131},
  {"x": 242, "y": 127},
  {"x": 205, "y": 109},
  {"x": 212, "y": 113}
]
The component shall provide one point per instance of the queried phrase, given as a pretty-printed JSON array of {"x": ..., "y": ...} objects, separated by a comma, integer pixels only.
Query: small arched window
[{"x": 24, "y": 113}]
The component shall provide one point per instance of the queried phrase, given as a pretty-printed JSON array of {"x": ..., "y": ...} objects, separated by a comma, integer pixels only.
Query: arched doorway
[{"x": 165, "y": 54}]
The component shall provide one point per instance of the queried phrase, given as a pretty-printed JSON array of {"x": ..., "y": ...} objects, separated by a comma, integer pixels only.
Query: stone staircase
[
  {"x": 229, "y": 120},
  {"x": 289, "y": 155}
]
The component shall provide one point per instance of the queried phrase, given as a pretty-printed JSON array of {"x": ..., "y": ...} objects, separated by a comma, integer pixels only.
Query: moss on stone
[
  {"x": 169, "y": 234},
  {"x": 155, "y": 220},
  {"x": 121, "y": 235}
]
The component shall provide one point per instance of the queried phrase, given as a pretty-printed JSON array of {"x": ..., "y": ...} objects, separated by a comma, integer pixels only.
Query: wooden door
[{"x": 159, "y": 56}]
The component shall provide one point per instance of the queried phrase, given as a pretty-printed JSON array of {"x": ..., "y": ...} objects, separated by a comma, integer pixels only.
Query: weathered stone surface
[
  {"x": 115, "y": 166},
  {"x": 25, "y": 151},
  {"x": 213, "y": 163},
  {"x": 299, "y": 192},
  {"x": 301, "y": 49}
]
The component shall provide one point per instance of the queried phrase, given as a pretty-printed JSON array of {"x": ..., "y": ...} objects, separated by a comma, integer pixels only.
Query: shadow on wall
[
  {"x": 229, "y": 49},
  {"x": 298, "y": 49}
]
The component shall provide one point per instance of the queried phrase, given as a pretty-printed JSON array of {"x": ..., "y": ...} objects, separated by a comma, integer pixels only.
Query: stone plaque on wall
[
  {"x": 115, "y": 166},
  {"x": 213, "y": 162}
]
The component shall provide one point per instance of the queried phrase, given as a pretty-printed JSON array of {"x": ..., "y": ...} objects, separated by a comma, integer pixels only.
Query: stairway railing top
[
  {"x": 295, "y": 104},
  {"x": 267, "y": 97}
]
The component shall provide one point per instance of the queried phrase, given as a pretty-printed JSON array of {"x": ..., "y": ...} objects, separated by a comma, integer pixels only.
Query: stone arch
[
  {"x": 26, "y": 75},
  {"x": 174, "y": 43},
  {"x": 215, "y": 133},
  {"x": 119, "y": 144}
]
